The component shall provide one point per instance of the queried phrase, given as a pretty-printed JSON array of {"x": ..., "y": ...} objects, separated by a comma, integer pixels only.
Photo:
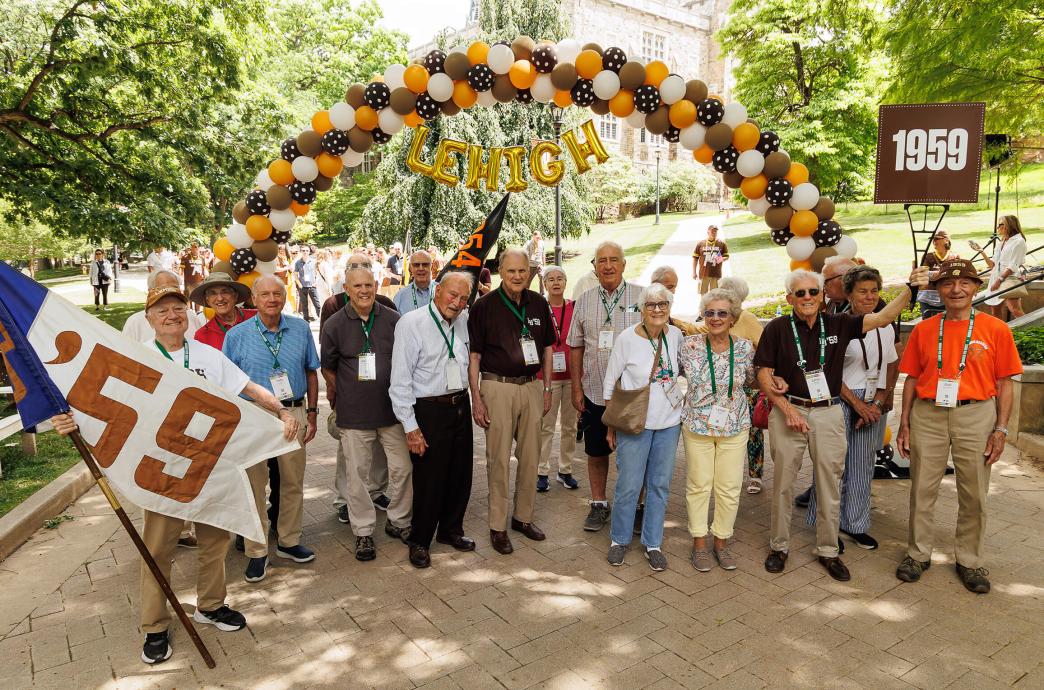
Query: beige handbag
[
  {"x": 1017, "y": 293},
  {"x": 627, "y": 410}
]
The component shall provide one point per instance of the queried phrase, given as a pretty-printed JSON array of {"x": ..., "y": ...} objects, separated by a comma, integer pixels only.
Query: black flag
[{"x": 472, "y": 254}]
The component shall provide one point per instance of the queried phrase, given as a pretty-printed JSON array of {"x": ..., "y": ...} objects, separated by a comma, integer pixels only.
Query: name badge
[
  {"x": 871, "y": 388},
  {"x": 367, "y": 366},
  {"x": 818, "y": 390},
  {"x": 453, "y": 379},
  {"x": 719, "y": 417},
  {"x": 605, "y": 340},
  {"x": 946, "y": 392},
  {"x": 558, "y": 362},
  {"x": 529, "y": 351},
  {"x": 281, "y": 389},
  {"x": 673, "y": 392}
]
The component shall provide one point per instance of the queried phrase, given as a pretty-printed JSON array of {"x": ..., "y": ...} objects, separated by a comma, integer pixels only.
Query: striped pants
[{"x": 863, "y": 444}]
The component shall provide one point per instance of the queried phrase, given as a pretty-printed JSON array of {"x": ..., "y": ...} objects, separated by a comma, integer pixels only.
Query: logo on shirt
[
  {"x": 533, "y": 321},
  {"x": 832, "y": 339},
  {"x": 977, "y": 349}
]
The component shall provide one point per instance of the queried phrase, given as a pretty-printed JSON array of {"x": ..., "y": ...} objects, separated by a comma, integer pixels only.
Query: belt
[
  {"x": 446, "y": 399},
  {"x": 960, "y": 403},
  {"x": 517, "y": 380},
  {"x": 805, "y": 402},
  {"x": 299, "y": 402}
]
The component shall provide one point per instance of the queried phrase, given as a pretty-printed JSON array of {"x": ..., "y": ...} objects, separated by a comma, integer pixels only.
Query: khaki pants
[
  {"x": 826, "y": 444},
  {"x": 515, "y": 412},
  {"x": 376, "y": 480},
  {"x": 561, "y": 410},
  {"x": 937, "y": 433},
  {"x": 708, "y": 283},
  {"x": 160, "y": 534},
  {"x": 718, "y": 463},
  {"x": 291, "y": 493},
  {"x": 358, "y": 446}
]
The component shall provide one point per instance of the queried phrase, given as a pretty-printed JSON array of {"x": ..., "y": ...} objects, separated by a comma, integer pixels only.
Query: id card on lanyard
[
  {"x": 665, "y": 373},
  {"x": 453, "y": 378},
  {"x": 367, "y": 359},
  {"x": 530, "y": 355},
  {"x": 279, "y": 378},
  {"x": 606, "y": 334},
  {"x": 719, "y": 413},
  {"x": 872, "y": 375},
  {"x": 558, "y": 359},
  {"x": 815, "y": 380},
  {"x": 947, "y": 390}
]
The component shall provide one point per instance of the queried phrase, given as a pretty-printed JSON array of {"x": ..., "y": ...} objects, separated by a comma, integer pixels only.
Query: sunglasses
[
  {"x": 812, "y": 292},
  {"x": 716, "y": 313},
  {"x": 422, "y": 265},
  {"x": 657, "y": 306}
]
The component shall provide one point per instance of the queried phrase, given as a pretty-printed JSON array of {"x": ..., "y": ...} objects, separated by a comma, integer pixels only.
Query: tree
[
  {"x": 971, "y": 51},
  {"x": 26, "y": 239},
  {"x": 611, "y": 184},
  {"x": 682, "y": 185}
]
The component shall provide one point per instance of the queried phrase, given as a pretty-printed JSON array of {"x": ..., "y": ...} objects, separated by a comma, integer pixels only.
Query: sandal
[{"x": 754, "y": 486}]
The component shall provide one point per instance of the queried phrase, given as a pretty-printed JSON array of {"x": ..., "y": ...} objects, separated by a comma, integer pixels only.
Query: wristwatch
[
  {"x": 311, "y": 410},
  {"x": 547, "y": 389},
  {"x": 879, "y": 404},
  {"x": 1001, "y": 429}
]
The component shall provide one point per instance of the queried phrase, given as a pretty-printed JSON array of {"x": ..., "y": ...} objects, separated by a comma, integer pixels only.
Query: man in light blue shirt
[
  {"x": 305, "y": 270},
  {"x": 418, "y": 293}
]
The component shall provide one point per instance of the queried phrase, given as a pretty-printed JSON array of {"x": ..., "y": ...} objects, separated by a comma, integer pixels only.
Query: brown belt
[
  {"x": 446, "y": 399},
  {"x": 517, "y": 380},
  {"x": 805, "y": 402}
]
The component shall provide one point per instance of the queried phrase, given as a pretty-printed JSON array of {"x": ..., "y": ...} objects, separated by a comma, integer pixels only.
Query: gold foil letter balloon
[
  {"x": 592, "y": 146},
  {"x": 516, "y": 182},
  {"x": 477, "y": 170},
  {"x": 444, "y": 157},
  {"x": 413, "y": 158},
  {"x": 549, "y": 174}
]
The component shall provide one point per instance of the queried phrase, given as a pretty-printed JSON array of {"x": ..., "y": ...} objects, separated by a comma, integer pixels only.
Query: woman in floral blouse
[{"x": 715, "y": 424}]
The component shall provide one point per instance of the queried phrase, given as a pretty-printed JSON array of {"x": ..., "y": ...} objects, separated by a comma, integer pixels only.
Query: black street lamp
[
  {"x": 658, "y": 152},
  {"x": 556, "y": 113}
]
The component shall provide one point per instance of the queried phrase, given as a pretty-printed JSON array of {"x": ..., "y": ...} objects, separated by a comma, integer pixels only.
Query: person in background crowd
[
  {"x": 436, "y": 261},
  {"x": 562, "y": 410},
  {"x": 864, "y": 391},
  {"x": 929, "y": 300},
  {"x": 222, "y": 294},
  {"x": 957, "y": 399},
  {"x": 336, "y": 272},
  {"x": 166, "y": 308},
  {"x": 646, "y": 355},
  {"x": 307, "y": 274},
  {"x": 1004, "y": 269},
  {"x": 600, "y": 315},
  {"x": 101, "y": 277},
  {"x": 418, "y": 293},
  {"x": 137, "y": 327},
  {"x": 668, "y": 277},
  {"x": 802, "y": 355},
  {"x": 715, "y": 421},
  {"x": 325, "y": 268},
  {"x": 511, "y": 339},
  {"x": 836, "y": 301},
  {"x": 357, "y": 344},
  {"x": 277, "y": 352},
  {"x": 160, "y": 259},
  {"x": 586, "y": 282},
  {"x": 485, "y": 281},
  {"x": 380, "y": 269},
  {"x": 708, "y": 258},
  {"x": 429, "y": 396},
  {"x": 535, "y": 252},
  {"x": 193, "y": 268},
  {"x": 394, "y": 265}
]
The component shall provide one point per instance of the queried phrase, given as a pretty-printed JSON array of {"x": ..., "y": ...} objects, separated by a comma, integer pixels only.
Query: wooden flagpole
[{"x": 103, "y": 484}]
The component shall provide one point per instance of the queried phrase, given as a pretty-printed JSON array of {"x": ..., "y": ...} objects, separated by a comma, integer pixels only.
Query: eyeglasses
[
  {"x": 828, "y": 280},
  {"x": 657, "y": 306},
  {"x": 359, "y": 265},
  {"x": 716, "y": 313},
  {"x": 812, "y": 292}
]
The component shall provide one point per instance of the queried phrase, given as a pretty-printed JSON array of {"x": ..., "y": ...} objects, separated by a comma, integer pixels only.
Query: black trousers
[
  {"x": 442, "y": 476},
  {"x": 101, "y": 291},
  {"x": 306, "y": 294},
  {"x": 273, "y": 499}
]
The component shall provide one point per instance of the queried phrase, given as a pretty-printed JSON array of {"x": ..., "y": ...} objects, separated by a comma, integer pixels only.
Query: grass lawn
[
  {"x": 116, "y": 314},
  {"x": 63, "y": 272},
  {"x": 24, "y": 475}
]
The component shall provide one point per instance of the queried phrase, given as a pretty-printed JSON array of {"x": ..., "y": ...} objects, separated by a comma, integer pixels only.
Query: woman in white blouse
[
  {"x": 1007, "y": 259},
  {"x": 647, "y": 456}
]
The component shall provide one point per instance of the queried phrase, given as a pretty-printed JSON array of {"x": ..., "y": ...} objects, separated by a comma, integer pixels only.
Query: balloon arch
[{"x": 565, "y": 73}]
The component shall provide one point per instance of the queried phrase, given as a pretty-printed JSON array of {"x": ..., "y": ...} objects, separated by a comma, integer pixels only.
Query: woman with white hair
[
  {"x": 668, "y": 277},
  {"x": 562, "y": 410},
  {"x": 646, "y": 355}
]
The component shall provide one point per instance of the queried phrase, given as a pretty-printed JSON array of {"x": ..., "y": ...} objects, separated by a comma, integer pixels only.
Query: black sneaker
[
  {"x": 381, "y": 502},
  {"x": 157, "y": 648},
  {"x": 542, "y": 484},
  {"x": 862, "y": 540},
  {"x": 567, "y": 481},
  {"x": 224, "y": 618},
  {"x": 910, "y": 570},
  {"x": 974, "y": 579},
  {"x": 256, "y": 569},
  {"x": 802, "y": 499},
  {"x": 639, "y": 516},
  {"x": 342, "y": 515},
  {"x": 298, "y": 554},
  {"x": 598, "y": 516},
  {"x": 400, "y": 533},
  {"x": 365, "y": 550}
]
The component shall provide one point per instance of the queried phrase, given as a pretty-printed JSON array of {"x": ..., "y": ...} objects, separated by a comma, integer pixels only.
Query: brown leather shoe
[
  {"x": 501, "y": 542},
  {"x": 528, "y": 529},
  {"x": 458, "y": 541},
  {"x": 419, "y": 557},
  {"x": 835, "y": 568},
  {"x": 776, "y": 561}
]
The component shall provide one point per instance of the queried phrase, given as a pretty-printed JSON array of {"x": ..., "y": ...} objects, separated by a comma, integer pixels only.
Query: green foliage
[
  {"x": 24, "y": 474},
  {"x": 337, "y": 212},
  {"x": 610, "y": 184},
  {"x": 1030, "y": 344},
  {"x": 682, "y": 185},
  {"x": 768, "y": 310},
  {"x": 117, "y": 313},
  {"x": 26, "y": 239},
  {"x": 55, "y": 522}
]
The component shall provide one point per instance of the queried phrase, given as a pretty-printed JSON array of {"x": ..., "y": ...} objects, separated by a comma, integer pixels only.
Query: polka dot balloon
[
  {"x": 544, "y": 59},
  {"x": 280, "y": 236},
  {"x": 778, "y": 192},
  {"x": 725, "y": 160},
  {"x": 257, "y": 203},
  {"x": 335, "y": 142},
  {"x": 380, "y": 136},
  {"x": 709, "y": 112},
  {"x": 768, "y": 142},
  {"x": 427, "y": 107},
  {"x": 827, "y": 234},
  {"x": 302, "y": 192},
  {"x": 481, "y": 77},
  {"x": 524, "y": 96},
  {"x": 288, "y": 151},
  {"x": 781, "y": 236},
  {"x": 647, "y": 99},
  {"x": 243, "y": 260},
  {"x": 582, "y": 92},
  {"x": 673, "y": 134},
  {"x": 377, "y": 95},
  {"x": 614, "y": 59},
  {"x": 435, "y": 62}
]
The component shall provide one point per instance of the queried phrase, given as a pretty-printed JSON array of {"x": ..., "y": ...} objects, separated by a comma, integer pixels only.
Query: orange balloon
[
  {"x": 299, "y": 209},
  {"x": 477, "y": 52},
  {"x": 208, "y": 314},
  {"x": 223, "y": 249},
  {"x": 655, "y": 72},
  {"x": 463, "y": 95},
  {"x": 754, "y": 187},
  {"x": 797, "y": 175},
  {"x": 562, "y": 99},
  {"x": 416, "y": 78},
  {"x": 588, "y": 64},
  {"x": 259, "y": 227},
  {"x": 248, "y": 278},
  {"x": 703, "y": 154},
  {"x": 329, "y": 164},
  {"x": 365, "y": 118},
  {"x": 413, "y": 119},
  {"x": 746, "y": 136},
  {"x": 321, "y": 122},
  {"x": 522, "y": 74},
  {"x": 805, "y": 264},
  {"x": 281, "y": 172},
  {"x": 803, "y": 223},
  {"x": 682, "y": 114},
  {"x": 622, "y": 104}
]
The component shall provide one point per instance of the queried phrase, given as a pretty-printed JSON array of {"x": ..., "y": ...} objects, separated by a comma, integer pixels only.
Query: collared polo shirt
[
  {"x": 589, "y": 318},
  {"x": 495, "y": 333},
  {"x": 297, "y": 354},
  {"x": 412, "y": 297},
  {"x": 213, "y": 332},
  {"x": 777, "y": 350},
  {"x": 334, "y": 303}
]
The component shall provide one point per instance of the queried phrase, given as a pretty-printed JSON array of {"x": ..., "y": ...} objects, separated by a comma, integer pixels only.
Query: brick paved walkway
[{"x": 553, "y": 614}]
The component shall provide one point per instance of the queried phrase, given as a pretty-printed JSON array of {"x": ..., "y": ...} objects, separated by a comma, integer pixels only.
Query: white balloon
[
  {"x": 806, "y": 196},
  {"x": 389, "y": 121},
  {"x": 263, "y": 180},
  {"x": 352, "y": 158},
  {"x": 282, "y": 220},
  {"x": 305, "y": 168},
  {"x": 238, "y": 237},
  {"x": 568, "y": 49},
  {"x": 636, "y": 119},
  {"x": 735, "y": 115},
  {"x": 800, "y": 248},
  {"x": 692, "y": 136},
  {"x": 440, "y": 87},
  {"x": 846, "y": 247},
  {"x": 672, "y": 89},
  {"x": 266, "y": 268},
  {"x": 393, "y": 76},
  {"x": 342, "y": 116},
  {"x": 750, "y": 163},
  {"x": 758, "y": 206},
  {"x": 458, "y": 49},
  {"x": 606, "y": 84},
  {"x": 500, "y": 58},
  {"x": 543, "y": 90},
  {"x": 487, "y": 99}
]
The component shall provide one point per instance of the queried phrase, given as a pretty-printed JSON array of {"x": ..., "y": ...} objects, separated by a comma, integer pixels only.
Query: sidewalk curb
[{"x": 21, "y": 523}]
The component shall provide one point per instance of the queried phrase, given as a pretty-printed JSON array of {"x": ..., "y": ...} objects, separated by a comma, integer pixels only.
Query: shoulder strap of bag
[{"x": 656, "y": 359}]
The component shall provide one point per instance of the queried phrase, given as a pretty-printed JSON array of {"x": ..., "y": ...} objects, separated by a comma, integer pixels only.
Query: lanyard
[
  {"x": 822, "y": 343},
  {"x": 367, "y": 327},
  {"x": 274, "y": 350},
  {"x": 609, "y": 307},
  {"x": 521, "y": 316},
  {"x": 554, "y": 322},
  {"x": 964, "y": 352},
  {"x": 450, "y": 341},
  {"x": 732, "y": 364},
  {"x": 184, "y": 349},
  {"x": 223, "y": 327},
  {"x": 666, "y": 348},
  {"x": 880, "y": 352},
  {"x": 413, "y": 288}
]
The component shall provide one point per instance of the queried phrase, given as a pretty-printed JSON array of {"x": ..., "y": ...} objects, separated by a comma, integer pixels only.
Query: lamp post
[
  {"x": 658, "y": 152},
  {"x": 115, "y": 267},
  {"x": 556, "y": 113}
]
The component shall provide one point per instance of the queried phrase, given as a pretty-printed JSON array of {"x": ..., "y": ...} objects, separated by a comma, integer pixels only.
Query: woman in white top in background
[
  {"x": 1007, "y": 259},
  {"x": 647, "y": 456}
]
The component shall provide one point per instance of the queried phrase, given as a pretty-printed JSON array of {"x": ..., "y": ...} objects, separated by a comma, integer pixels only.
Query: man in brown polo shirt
[
  {"x": 803, "y": 355},
  {"x": 708, "y": 258},
  {"x": 511, "y": 339}
]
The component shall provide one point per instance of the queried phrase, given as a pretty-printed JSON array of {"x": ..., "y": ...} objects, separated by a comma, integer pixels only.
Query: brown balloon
[
  {"x": 818, "y": 257},
  {"x": 632, "y": 75},
  {"x": 265, "y": 250},
  {"x": 309, "y": 143},
  {"x": 600, "y": 107},
  {"x": 359, "y": 140},
  {"x": 403, "y": 101},
  {"x": 523, "y": 47},
  {"x": 754, "y": 122},
  {"x": 278, "y": 197},
  {"x": 322, "y": 183},
  {"x": 503, "y": 90},
  {"x": 695, "y": 91},
  {"x": 240, "y": 212},
  {"x": 449, "y": 108},
  {"x": 777, "y": 164},
  {"x": 595, "y": 47},
  {"x": 564, "y": 76},
  {"x": 778, "y": 218},
  {"x": 355, "y": 96},
  {"x": 824, "y": 208},
  {"x": 223, "y": 267},
  {"x": 457, "y": 66},
  {"x": 732, "y": 179},
  {"x": 658, "y": 122},
  {"x": 718, "y": 137}
]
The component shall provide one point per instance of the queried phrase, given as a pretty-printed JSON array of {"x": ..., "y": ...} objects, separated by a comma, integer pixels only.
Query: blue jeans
[{"x": 647, "y": 457}]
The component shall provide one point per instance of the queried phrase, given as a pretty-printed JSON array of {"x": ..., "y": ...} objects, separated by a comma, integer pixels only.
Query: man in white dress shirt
[
  {"x": 161, "y": 259},
  {"x": 428, "y": 395}
]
